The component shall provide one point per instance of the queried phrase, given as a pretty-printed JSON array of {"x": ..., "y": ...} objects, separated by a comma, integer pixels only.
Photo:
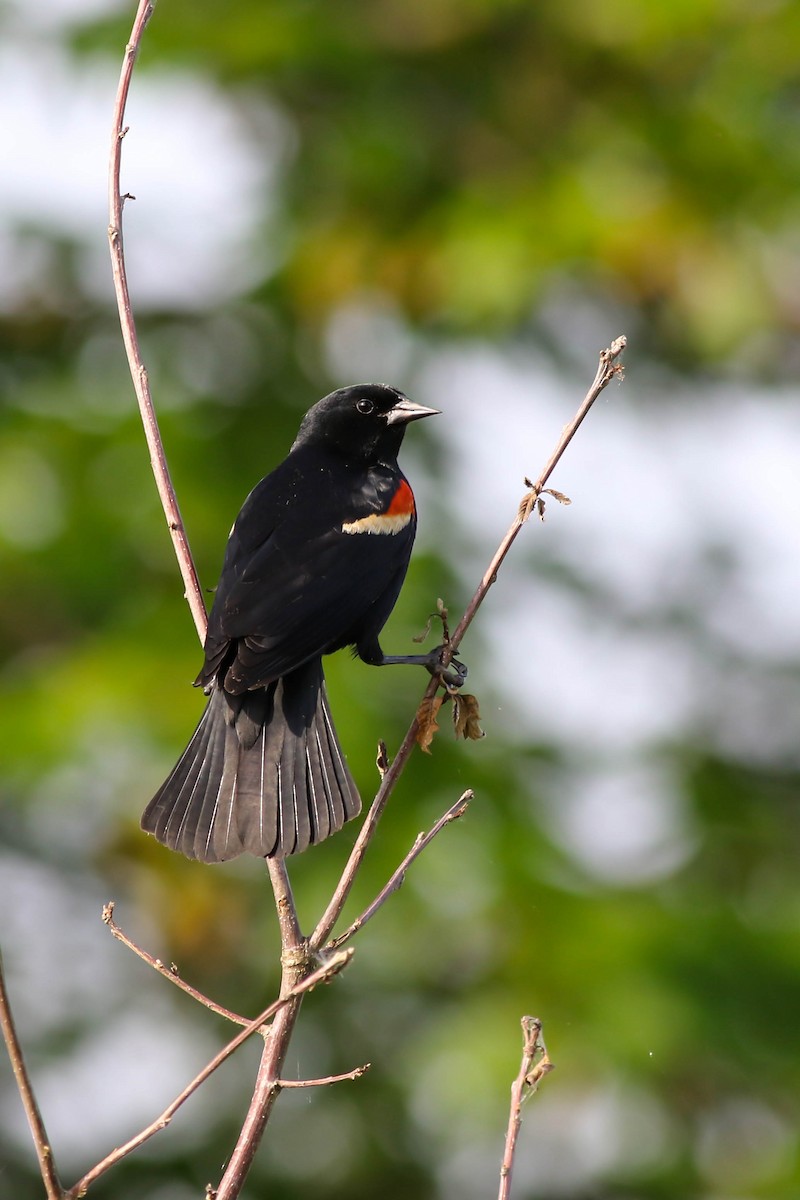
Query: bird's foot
[{"x": 453, "y": 675}]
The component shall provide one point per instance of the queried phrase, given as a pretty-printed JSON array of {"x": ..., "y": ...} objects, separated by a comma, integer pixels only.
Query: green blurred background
[{"x": 468, "y": 199}]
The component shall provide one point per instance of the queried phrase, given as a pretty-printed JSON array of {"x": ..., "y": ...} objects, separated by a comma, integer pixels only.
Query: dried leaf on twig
[
  {"x": 526, "y": 505},
  {"x": 466, "y": 717},
  {"x": 559, "y": 496},
  {"x": 420, "y": 637},
  {"x": 443, "y": 615},
  {"x": 426, "y": 719},
  {"x": 439, "y": 615},
  {"x": 533, "y": 500}
]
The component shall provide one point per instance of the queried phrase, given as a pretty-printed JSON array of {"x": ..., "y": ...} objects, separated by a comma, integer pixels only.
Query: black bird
[{"x": 315, "y": 562}]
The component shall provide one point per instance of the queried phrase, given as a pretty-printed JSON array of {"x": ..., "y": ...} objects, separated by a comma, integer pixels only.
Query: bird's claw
[{"x": 453, "y": 675}]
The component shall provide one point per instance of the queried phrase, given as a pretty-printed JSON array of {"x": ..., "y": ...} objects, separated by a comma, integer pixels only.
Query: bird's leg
[{"x": 453, "y": 675}]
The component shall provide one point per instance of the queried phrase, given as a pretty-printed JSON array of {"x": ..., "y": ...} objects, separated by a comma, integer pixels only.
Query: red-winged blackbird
[{"x": 314, "y": 562}]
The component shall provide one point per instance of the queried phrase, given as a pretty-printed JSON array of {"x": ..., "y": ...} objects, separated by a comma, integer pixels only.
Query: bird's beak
[{"x": 406, "y": 410}]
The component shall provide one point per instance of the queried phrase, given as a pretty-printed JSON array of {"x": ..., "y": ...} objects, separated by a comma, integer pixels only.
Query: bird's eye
[{"x": 365, "y": 407}]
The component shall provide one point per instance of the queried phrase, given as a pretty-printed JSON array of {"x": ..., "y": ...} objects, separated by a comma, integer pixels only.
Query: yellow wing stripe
[{"x": 378, "y": 523}]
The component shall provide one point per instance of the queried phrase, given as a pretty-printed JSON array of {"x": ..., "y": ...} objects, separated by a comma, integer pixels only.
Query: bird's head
[{"x": 364, "y": 422}]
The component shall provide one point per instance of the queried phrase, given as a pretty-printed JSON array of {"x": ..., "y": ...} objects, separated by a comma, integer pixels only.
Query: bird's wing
[
  {"x": 295, "y": 586},
  {"x": 311, "y": 603}
]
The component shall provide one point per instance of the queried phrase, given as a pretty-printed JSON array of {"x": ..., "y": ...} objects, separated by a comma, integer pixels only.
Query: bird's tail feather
[{"x": 263, "y": 773}]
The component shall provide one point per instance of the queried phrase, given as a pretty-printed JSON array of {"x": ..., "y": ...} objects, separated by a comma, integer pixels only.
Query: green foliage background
[{"x": 466, "y": 162}]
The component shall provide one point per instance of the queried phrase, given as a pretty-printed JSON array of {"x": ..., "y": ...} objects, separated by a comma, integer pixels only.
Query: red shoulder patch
[{"x": 402, "y": 501}]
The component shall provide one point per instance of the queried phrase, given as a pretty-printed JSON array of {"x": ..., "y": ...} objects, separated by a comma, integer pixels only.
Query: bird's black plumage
[{"x": 315, "y": 562}]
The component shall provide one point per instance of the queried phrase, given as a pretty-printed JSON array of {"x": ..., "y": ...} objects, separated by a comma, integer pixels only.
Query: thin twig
[
  {"x": 170, "y": 973},
  {"x": 356, "y": 1073},
  {"x": 44, "y": 1153},
  {"x": 138, "y": 371},
  {"x": 337, "y": 902},
  {"x": 607, "y": 370},
  {"x": 323, "y": 975},
  {"x": 396, "y": 881},
  {"x": 530, "y": 1075}
]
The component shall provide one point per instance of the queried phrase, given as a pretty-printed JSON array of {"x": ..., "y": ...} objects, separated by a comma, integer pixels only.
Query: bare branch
[
  {"x": 607, "y": 370},
  {"x": 356, "y": 1073},
  {"x": 267, "y": 1088},
  {"x": 531, "y": 1073},
  {"x": 138, "y": 371},
  {"x": 292, "y": 998},
  {"x": 44, "y": 1153},
  {"x": 396, "y": 882},
  {"x": 294, "y": 951},
  {"x": 167, "y": 972},
  {"x": 295, "y": 957},
  {"x": 337, "y": 902}
]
